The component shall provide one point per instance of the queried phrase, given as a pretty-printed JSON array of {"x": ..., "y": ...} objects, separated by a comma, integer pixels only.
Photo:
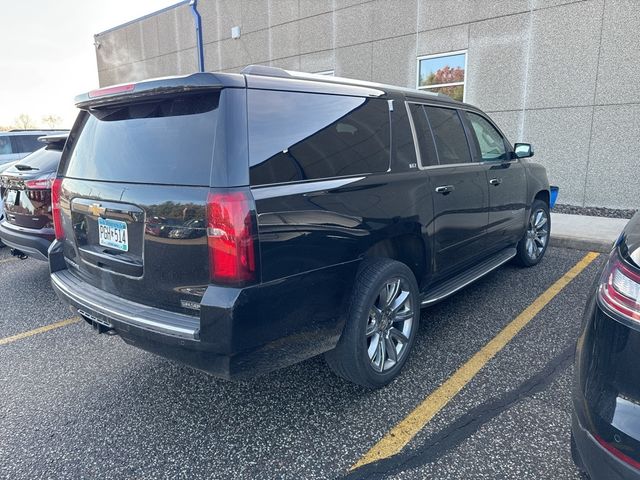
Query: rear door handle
[
  {"x": 495, "y": 181},
  {"x": 445, "y": 189}
]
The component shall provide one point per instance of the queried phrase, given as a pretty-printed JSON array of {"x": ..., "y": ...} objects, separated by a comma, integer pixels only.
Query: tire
[
  {"x": 533, "y": 245},
  {"x": 364, "y": 353}
]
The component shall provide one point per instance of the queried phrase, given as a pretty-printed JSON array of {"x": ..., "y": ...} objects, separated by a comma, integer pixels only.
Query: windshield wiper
[{"x": 25, "y": 167}]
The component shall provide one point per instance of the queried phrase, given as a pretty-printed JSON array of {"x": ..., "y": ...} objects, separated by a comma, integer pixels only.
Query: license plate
[
  {"x": 113, "y": 234},
  {"x": 11, "y": 197}
]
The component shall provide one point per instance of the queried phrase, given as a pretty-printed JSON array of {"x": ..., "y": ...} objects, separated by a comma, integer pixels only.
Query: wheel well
[
  {"x": 407, "y": 249},
  {"x": 543, "y": 195}
]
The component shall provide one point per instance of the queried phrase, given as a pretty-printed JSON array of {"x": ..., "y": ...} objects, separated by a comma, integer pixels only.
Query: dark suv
[{"x": 243, "y": 222}]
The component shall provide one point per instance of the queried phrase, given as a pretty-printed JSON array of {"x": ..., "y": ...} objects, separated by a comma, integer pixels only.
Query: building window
[{"x": 444, "y": 73}]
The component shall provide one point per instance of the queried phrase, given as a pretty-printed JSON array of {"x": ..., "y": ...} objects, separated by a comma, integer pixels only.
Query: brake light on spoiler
[{"x": 101, "y": 92}]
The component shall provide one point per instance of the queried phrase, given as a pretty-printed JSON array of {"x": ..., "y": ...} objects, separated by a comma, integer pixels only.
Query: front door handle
[
  {"x": 495, "y": 181},
  {"x": 445, "y": 189}
]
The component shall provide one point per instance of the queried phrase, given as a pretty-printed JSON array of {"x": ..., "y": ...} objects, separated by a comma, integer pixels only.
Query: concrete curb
[{"x": 576, "y": 243}]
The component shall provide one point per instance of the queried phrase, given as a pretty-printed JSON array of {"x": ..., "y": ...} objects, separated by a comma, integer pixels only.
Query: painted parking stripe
[
  {"x": 36, "y": 331},
  {"x": 400, "y": 435},
  {"x": 6, "y": 260}
]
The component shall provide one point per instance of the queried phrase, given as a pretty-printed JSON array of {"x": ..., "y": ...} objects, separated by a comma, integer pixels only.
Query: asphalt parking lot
[{"x": 75, "y": 404}]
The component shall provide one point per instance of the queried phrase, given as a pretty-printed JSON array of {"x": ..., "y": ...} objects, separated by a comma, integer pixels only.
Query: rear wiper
[{"x": 25, "y": 167}]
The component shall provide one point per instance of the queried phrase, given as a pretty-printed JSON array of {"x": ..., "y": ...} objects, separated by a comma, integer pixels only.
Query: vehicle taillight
[
  {"x": 55, "y": 208},
  {"x": 617, "y": 453},
  {"x": 620, "y": 289},
  {"x": 230, "y": 235},
  {"x": 40, "y": 183}
]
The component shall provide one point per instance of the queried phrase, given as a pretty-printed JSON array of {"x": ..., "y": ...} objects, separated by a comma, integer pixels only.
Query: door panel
[
  {"x": 460, "y": 215},
  {"x": 506, "y": 179},
  {"x": 507, "y": 203},
  {"x": 458, "y": 187}
]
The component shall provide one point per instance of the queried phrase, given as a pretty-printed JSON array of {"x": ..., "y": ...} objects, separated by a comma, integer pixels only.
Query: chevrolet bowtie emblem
[{"x": 96, "y": 209}]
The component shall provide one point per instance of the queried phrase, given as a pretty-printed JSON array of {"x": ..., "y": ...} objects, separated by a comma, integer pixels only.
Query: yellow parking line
[
  {"x": 395, "y": 440},
  {"x": 8, "y": 260},
  {"x": 36, "y": 331}
]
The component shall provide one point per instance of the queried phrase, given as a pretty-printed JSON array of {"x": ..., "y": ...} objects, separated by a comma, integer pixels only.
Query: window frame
[{"x": 430, "y": 88}]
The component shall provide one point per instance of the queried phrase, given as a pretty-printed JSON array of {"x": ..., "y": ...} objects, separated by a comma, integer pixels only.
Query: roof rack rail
[
  {"x": 37, "y": 129},
  {"x": 265, "y": 71}
]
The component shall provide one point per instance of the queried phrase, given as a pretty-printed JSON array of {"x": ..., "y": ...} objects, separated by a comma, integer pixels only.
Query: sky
[
  {"x": 47, "y": 55},
  {"x": 430, "y": 65}
]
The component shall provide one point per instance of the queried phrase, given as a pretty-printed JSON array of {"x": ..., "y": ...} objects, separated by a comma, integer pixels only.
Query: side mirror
[{"x": 523, "y": 150}]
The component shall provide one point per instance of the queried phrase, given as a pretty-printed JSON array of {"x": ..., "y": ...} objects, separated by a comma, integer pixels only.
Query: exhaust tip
[{"x": 18, "y": 253}]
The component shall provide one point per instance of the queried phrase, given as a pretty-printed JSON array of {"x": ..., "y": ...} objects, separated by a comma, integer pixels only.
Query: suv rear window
[
  {"x": 302, "y": 136},
  {"x": 164, "y": 141}
]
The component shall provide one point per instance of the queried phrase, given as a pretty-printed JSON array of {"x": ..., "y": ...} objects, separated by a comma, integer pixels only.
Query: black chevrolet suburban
[{"x": 240, "y": 223}]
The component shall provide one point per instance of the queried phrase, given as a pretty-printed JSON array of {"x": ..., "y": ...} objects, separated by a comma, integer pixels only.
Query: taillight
[
  {"x": 617, "y": 453},
  {"x": 55, "y": 208},
  {"x": 40, "y": 183},
  {"x": 230, "y": 235},
  {"x": 620, "y": 289}
]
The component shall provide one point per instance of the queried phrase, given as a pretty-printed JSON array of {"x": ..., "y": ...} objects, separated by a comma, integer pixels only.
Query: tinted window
[
  {"x": 451, "y": 141},
  {"x": 5, "y": 145},
  {"x": 301, "y": 136},
  {"x": 28, "y": 143},
  {"x": 426, "y": 143},
  {"x": 402, "y": 139},
  {"x": 167, "y": 141},
  {"x": 45, "y": 160},
  {"x": 491, "y": 143}
]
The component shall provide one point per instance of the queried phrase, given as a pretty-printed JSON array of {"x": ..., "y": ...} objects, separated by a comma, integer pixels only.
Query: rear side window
[
  {"x": 27, "y": 143},
  {"x": 426, "y": 142},
  {"x": 165, "y": 141},
  {"x": 5, "y": 145},
  {"x": 448, "y": 132},
  {"x": 301, "y": 136}
]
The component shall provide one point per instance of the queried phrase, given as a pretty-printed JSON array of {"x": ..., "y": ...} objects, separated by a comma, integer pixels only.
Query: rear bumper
[
  {"x": 240, "y": 333},
  {"x": 34, "y": 245},
  {"x": 596, "y": 461},
  {"x": 110, "y": 310}
]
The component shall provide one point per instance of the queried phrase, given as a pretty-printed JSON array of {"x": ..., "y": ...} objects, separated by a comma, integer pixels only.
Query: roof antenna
[{"x": 198, "y": 23}]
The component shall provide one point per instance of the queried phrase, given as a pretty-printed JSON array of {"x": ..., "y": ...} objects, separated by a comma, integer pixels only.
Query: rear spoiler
[
  {"x": 128, "y": 92},
  {"x": 57, "y": 140},
  {"x": 61, "y": 137}
]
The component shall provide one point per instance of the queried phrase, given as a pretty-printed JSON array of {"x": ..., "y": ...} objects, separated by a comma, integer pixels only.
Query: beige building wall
[{"x": 561, "y": 74}]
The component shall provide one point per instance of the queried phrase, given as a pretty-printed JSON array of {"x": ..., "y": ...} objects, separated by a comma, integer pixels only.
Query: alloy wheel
[
  {"x": 537, "y": 233},
  {"x": 389, "y": 325}
]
